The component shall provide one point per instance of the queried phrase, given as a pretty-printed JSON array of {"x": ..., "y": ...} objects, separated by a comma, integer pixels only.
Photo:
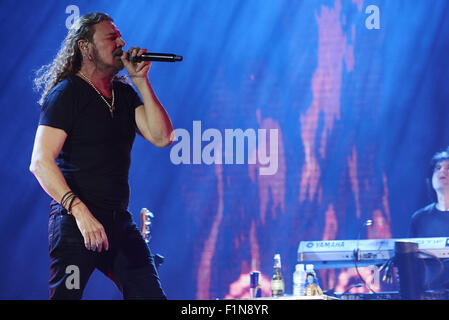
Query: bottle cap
[
  {"x": 309, "y": 267},
  {"x": 300, "y": 267},
  {"x": 277, "y": 260}
]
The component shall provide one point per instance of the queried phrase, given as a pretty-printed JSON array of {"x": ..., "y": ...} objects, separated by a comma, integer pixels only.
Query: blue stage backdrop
[{"x": 295, "y": 120}]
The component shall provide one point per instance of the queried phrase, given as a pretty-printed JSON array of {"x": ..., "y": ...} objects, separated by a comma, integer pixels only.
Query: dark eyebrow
[{"x": 117, "y": 33}]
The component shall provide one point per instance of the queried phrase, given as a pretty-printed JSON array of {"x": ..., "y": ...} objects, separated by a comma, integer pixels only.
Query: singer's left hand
[{"x": 137, "y": 70}]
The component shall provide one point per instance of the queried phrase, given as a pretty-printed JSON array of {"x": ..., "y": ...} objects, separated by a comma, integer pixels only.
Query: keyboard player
[{"x": 433, "y": 220}]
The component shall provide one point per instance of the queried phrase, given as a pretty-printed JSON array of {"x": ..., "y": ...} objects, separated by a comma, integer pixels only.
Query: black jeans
[{"x": 128, "y": 262}]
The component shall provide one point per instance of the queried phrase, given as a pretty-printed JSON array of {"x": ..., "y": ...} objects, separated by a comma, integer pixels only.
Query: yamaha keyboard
[{"x": 347, "y": 253}]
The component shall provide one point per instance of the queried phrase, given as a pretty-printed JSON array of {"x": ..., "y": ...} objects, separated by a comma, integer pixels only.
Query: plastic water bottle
[{"x": 299, "y": 280}]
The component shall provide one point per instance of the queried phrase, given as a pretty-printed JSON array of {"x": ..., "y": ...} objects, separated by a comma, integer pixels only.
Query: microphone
[{"x": 151, "y": 56}]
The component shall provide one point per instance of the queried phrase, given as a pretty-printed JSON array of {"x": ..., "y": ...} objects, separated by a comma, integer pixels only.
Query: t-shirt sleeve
[
  {"x": 412, "y": 232},
  {"x": 58, "y": 109},
  {"x": 135, "y": 102},
  {"x": 135, "y": 99},
  {"x": 417, "y": 222}
]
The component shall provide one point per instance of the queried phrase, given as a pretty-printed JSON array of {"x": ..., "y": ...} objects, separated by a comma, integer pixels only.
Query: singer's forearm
[
  {"x": 50, "y": 177},
  {"x": 156, "y": 119},
  {"x": 53, "y": 182}
]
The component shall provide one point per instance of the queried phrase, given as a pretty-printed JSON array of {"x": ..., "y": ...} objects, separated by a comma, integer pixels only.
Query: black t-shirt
[
  {"x": 96, "y": 155},
  {"x": 431, "y": 222}
]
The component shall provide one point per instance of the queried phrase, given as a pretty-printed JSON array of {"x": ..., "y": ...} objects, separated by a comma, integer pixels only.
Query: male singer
[{"x": 81, "y": 158}]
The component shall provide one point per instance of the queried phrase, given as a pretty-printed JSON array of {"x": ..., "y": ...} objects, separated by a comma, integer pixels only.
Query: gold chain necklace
[{"x": 110, "y": 106}]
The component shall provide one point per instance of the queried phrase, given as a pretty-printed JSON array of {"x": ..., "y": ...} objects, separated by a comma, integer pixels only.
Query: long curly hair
[{"x": 69, "y": 58}]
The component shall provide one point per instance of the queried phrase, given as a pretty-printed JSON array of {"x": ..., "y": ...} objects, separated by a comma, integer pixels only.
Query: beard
[{"x": 100, "y": 64}]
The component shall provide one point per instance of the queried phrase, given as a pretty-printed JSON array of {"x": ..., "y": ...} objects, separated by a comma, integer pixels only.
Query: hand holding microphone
[
  {"x": 138, "y": 61},
  {"x": 135, "y": 69},
  {"x": 152, "y": 56}
]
